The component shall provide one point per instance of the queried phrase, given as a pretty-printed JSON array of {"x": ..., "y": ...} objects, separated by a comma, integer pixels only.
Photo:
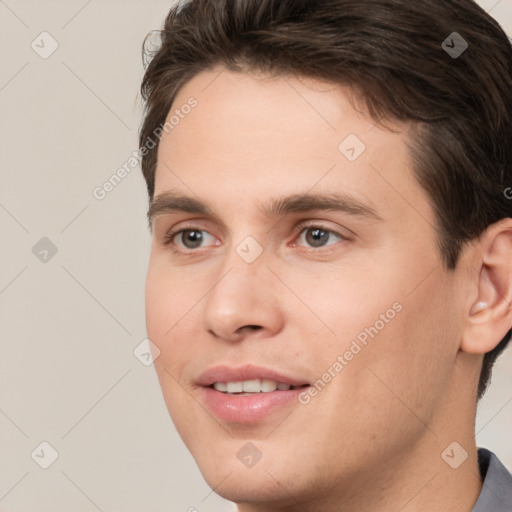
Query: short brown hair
[{"x": 390, "y": 52}]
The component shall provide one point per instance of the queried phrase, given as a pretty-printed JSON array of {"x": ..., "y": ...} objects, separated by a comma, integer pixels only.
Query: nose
[{"x": 244, "y": 301}]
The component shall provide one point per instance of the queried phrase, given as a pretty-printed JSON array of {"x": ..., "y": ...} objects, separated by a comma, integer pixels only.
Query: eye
[
  {"x": 188, "y": 238},
  {"x": 192, "y": 237},
  {"x": 319, "y": 236}
]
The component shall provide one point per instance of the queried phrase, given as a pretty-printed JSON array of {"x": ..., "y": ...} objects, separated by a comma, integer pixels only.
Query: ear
[{"x": 489, "y": 316}]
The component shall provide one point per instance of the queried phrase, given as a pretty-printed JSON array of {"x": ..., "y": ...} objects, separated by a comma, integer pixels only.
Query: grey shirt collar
[{"x": 496, "y": 494}]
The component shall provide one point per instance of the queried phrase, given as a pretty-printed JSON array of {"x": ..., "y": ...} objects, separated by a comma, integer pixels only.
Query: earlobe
[{"x": 490, "y": 314}]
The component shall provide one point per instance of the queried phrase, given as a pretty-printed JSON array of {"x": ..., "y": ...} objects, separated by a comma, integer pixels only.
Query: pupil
[{"x": 318, "y": 237}]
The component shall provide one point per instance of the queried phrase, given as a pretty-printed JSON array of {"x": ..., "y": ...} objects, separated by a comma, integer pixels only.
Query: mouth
[{"x": 249, "y": 394}]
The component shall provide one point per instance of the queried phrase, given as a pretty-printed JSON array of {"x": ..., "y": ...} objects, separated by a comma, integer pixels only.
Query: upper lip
[{"x": 225, "y": 373}]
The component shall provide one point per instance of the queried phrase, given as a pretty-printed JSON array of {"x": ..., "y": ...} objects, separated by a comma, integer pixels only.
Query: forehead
[{"x": 251, "y": 136}]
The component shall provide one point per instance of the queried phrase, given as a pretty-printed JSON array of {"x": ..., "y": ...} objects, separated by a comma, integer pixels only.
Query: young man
[{"x": 330, "y": 277}]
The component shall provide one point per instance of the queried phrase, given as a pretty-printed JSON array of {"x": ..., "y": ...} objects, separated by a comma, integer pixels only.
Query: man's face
[{"x": 353, "y": 302}]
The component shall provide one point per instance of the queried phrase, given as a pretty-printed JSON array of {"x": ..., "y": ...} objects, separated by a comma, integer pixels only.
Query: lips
[{"x": 222, "y": 392}]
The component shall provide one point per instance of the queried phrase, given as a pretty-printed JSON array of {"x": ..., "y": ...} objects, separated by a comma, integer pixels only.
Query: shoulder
[{"x": 496, "y": 494}]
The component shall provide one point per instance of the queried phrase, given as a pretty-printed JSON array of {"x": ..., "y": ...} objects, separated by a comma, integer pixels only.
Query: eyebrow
[{"x": 172, "y": 202}]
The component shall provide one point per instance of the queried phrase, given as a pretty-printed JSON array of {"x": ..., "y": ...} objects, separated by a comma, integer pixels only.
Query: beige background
[{"x": 69, "y": 326}]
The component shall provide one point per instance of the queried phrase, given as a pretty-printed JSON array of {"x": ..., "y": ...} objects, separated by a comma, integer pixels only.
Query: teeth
[
  {"x": 221, "y": 386},
  {"x": 235, "y": 387},
  {"x": 251, "y": 386},
  {"x": 268, "y": 386}
]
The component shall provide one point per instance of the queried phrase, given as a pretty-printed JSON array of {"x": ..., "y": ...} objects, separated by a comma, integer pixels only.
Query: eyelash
[{"x": 169, "y": 236}]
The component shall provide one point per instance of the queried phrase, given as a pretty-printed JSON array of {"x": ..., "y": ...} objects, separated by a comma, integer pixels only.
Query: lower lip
[{"x": 248, "y": 408}]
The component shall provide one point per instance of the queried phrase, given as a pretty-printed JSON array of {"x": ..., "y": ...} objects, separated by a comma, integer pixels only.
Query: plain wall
[{"x": 70, "y": 324}]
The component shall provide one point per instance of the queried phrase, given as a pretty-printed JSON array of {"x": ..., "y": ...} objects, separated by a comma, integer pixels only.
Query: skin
[{"x": 372, "y": 439}]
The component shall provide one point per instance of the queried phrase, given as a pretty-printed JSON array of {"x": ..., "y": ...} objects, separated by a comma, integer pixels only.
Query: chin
[
  {"x": 273, "y": 481},
  {"x": 248, "y": 488}
]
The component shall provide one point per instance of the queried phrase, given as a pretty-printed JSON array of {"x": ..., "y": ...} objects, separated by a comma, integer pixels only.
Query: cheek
[
  {"x": 156, "y": 299},
  {"x": 169, "y": 296},
  {"x": 341, "y": 305},
  {"x": 167, "y": 303},
  {"x": 414, "y": 355},
  {"x": 391, "y": 328},
  {"x": 168, "y": 313}
]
